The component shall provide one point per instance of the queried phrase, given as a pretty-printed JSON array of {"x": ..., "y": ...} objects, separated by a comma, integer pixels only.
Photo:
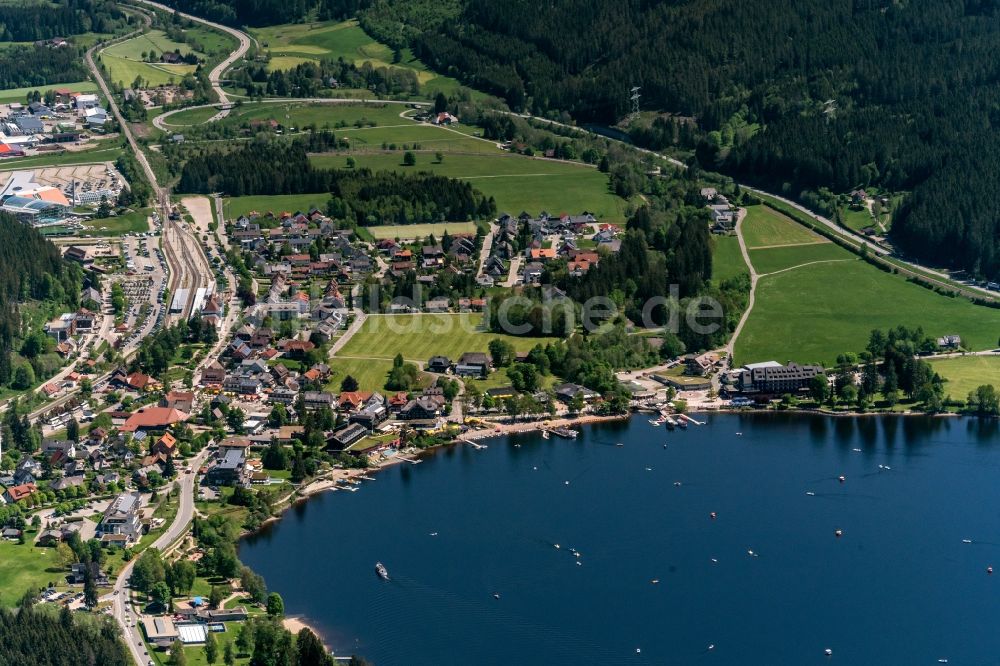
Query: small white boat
[
  {"x": 966, "y": 540},
  {"x": 545, "y": 434},
  {"x": 619, "y": 444},
  {"x": 496, "y": 595},
  {"x": 382, "y": 572},
  {"x": 434, "y": 533},
  {"x": 810, "y": 493}
]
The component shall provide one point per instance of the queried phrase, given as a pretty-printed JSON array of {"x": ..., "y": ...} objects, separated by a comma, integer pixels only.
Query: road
[
  {"x": 753, "y": 286},
  {"x": 215, "y": 76},
  {"x": 128, "y": 618}
]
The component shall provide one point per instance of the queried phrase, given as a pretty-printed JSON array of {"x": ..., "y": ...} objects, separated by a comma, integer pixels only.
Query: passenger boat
[
  {"x": 382, "y": 572},
  {"x": 568, "y": 433}
]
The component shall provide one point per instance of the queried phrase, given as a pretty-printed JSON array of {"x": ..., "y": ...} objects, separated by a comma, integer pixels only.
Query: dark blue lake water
[{"x": 899, "y": 587}]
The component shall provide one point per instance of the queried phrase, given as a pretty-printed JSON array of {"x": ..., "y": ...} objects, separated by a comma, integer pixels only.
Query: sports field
[
  {"x": 967, "y": 373},
  {"x": 766, "y": 227},
  {"x": 371, "y": 375},
  {"x": 136, "y": 221},
  {"x": 420, "y": 336},
  {"x": 516, "y": 183},
  {"x": 124, "y": 60},
  {"x": 815, "y": 312}
]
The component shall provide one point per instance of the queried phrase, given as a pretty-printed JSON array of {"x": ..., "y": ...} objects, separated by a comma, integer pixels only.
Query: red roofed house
[
  {"x": 17, "y": 493},
  {"x": 165, "y": 445},
  {"x": 153, "y": 418},
  {"x": 352, "y": 400},
  {"x": 182, "y": 400}
]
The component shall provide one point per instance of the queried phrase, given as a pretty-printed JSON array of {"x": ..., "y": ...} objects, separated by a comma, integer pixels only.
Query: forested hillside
[
  {"x": 854, "y": 93},
  {"x": 28, "y": 22},
  {"x": 31, "y": 269},
  {"x": 267, "y": 12}
]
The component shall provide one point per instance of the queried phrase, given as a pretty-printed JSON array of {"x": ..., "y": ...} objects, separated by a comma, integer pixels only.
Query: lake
[{"x": 898, "y": 587}]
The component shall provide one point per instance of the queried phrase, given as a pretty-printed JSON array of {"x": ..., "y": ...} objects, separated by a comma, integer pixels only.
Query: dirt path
[
  {"x": 200, "y": 209},
  {"x": 753, "y": 284}
]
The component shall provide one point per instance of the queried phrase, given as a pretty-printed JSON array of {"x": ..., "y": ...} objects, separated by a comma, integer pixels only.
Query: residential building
[
  {"x": 123, "y": 517},
  {"x": 773, "y": 378}
]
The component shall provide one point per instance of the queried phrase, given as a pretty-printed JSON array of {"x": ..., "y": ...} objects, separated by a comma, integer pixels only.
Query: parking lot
[{"x": 91, "y": 181}]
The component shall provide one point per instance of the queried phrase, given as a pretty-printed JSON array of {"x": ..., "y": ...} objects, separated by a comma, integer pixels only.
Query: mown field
[
  {"x": 727, "y": 260},
  {"x": 517, "y": 183},
  {"x": 20, "y": 94},
  {"x": 412, "y": 231},
  {"x": 236, "y": 206},
  {"x": 815, "y": 312},
  {"x": 371, "y": 375},
  {"x": 966, "y": 373},
  {"x": 290, "y": 44},
  {"x": 775, "y": 259},
  {"x": 766, "y": 227},
  {"x": 23, "y": 567},
  {"x": 420, "y": 336},
  {"x": 124, "y": 60}
]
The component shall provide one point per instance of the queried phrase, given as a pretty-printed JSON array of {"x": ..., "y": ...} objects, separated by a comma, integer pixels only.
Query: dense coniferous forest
[
  {"x": 267, "y": 12},
  {"x": 26, "y": 66},
  {"x": 31, "y": 269},
  {"x": 853, "y": 94},
  {"x": 360, "y": 196},
  {"x": 29, "y": 22},
  {"x": 35, "y": 637}
]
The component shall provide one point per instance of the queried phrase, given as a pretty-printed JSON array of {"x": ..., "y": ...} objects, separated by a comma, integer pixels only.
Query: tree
[
  {"x": 275, "y": 605},
  {"x": 228, "y": 656},
  {"x": 439, "y": 156},
  {"x": 984, "y": 401},
  {"x": 310, "y": 651},
  {"x": 244, "y": 639},
  {"x": 819, "y": 387},
  {"x": 148, "y": 570},
  {"x": 502, "y": 352},
  {"x": 253, "y": 584},
  {"x": 160, "y": 592},
  {"x": 849, "y": 394},
  {"x": 180, "y": 576},
  {"x": 235, "y": 418},
  {"x": 440, "y": 103},
  {"x": 576, "y": 403},
  {"x": 73, "y": 430},
  {"x": 351, "y": 163},
  {"x": 211, "y": 648},
  {"x": 217, "y": 595},
  {"x": 177, "y": 657},
  {"x": 89, "y": 590},
  {"x": 409, "y": 159},
  {"x": 278, "y": 416},
  {"x": 349, "y": 384}
]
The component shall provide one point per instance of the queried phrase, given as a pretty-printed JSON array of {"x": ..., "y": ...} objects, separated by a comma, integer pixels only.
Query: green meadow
[
  {"x": 966, "y": 373},
  {"x": 124, "y": 60}
]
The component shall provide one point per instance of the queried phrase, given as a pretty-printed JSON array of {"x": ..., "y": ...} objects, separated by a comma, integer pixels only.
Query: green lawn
[
  {"x": 236, "y": 206},
  {"x": 132, "y": 222},
  {"x": 727, "y": 260},
  {"x": 413, "y": 231},
  {"x": 966, "y": 373},
  {"x": 19, "y": 94},
  {"x": 124, "y": 60},
  {"x": 23, "y": 566},
  {"x": 856, "y": 219},
  {"x": 406, "y": 132},
  {"x": 780, "y": 258},
  {"x": 421, "y": 336},
  {"x": 190, "y": 117},
  {"x": 371, "y": 375},
  {"x": 816, "y": 312},
  {"x": 333, "y": 40},
  {"x": 766, "y": 227}
]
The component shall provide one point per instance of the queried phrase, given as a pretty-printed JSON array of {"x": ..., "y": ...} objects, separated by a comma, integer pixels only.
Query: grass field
[
  {"x": 20, "y": 94},
  {"x": 517, "y": 183},
  {"x": 406, "y": 132},
  {"x": 97, "y": 154},
  {"x": 775, "y": 259},
  {"x": 420, "y": 336},
  {"x": 727, "y": 260},
  {"x": 22, "y": 566},
  {"x": 331, "y": 40},
  {"x": 132, "y": 222},
  {"x": 298, "y": 114},
  {"x": 236, "y": 206},
  {"x": 856, "y": 219},
  {"x": 191, "y": 117},
  {"x": 966, "y": 373},
  {"x": 766, "y": 227},
  {"x": 124, "y": 60},
  {"x": 411, "y": 231},
  {"x": 371, "y": 375},
  {"x": 813, "y": 313}
]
